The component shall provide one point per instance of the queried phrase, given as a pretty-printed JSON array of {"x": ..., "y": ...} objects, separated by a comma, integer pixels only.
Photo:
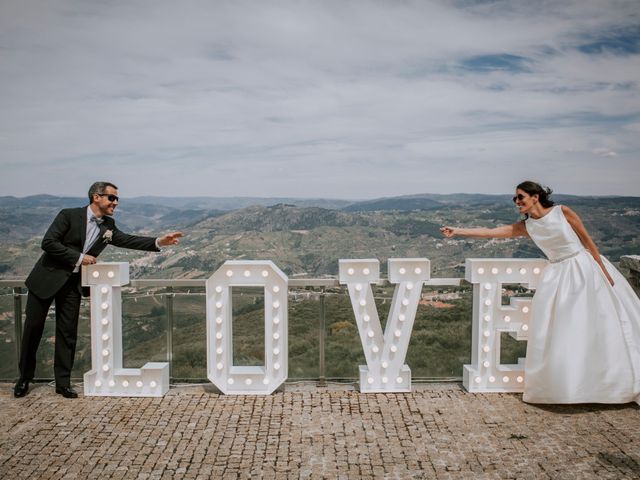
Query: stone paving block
[{"x": 436, "y": 431}]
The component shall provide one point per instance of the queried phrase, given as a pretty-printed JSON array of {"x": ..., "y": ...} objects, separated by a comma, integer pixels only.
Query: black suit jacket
[{"x": 63, "y": 243}]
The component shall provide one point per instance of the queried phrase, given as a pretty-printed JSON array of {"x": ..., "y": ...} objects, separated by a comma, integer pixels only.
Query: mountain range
[{"x": 308, "y": 236}]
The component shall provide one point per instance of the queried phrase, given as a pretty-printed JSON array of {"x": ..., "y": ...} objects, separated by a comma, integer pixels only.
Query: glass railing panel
[
  {"x": 441, "y": 339},
  {"x": 8, "y": 347},
  {"x": 46, "y": 349},
  {"x": 82, "y": 362},
  {"x": 248, "y": 329},
  {"x": 189, "y": 335},
  {"x": 144, "y": 326},
  {"x": 304, "y": 333},
  {"x": 343, "y": 349},
  {"x": 440, "y": 342}
]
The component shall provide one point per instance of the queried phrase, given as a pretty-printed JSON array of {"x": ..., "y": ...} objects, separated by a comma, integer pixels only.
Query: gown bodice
[{"x": 554, "y": 235}]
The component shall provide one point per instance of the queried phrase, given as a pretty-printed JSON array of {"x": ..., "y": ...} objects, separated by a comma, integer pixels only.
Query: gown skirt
[{"x": 584, "y": 337}]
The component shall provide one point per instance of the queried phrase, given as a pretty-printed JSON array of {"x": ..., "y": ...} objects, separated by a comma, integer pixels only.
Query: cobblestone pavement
[{"x": 437, "y": 431}]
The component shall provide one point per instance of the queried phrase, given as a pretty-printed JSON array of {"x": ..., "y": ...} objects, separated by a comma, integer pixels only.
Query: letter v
[{"x": 385, "y": 370}]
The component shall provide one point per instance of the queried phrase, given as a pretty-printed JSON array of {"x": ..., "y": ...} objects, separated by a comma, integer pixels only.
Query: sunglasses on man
[{"x": 110, "y": 197}]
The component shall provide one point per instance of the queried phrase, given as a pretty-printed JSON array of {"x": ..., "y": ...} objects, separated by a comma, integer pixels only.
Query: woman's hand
[{"x": 448, "y": 231}]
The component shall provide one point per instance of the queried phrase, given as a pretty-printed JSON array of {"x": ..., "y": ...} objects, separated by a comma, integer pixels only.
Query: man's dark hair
[{"x": 98, "y": 188}]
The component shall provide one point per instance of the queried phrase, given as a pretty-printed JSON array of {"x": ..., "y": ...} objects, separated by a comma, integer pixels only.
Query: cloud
[
  {"x": 605, "y": 152},
  {"x": 348, "y": 99}
]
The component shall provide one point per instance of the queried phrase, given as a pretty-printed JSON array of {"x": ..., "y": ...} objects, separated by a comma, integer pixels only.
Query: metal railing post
[
  {"x": 17, "y": 316},
  {"x": 322, "y": 380},
  {"x": 169, "y": 306}
]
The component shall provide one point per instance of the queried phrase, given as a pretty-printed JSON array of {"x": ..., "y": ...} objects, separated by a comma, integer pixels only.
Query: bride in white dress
[{"x": 584, "y": 337}]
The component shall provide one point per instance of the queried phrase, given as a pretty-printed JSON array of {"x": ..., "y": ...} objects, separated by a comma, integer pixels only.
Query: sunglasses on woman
[{"x": 518, "y": 197}]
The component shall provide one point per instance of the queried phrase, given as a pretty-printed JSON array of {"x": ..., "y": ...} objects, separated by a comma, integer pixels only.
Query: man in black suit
[{"x": 75, "y": 238}]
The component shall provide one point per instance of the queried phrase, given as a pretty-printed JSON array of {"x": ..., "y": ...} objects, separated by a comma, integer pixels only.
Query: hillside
[{"x": 309, "y": 241}]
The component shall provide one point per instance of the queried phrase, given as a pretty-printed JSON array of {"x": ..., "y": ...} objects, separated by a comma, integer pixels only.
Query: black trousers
[{"x": 67, "y": 301}]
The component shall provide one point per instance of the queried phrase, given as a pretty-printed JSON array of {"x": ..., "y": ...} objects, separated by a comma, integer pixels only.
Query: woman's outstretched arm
[
  {"x": 578, "y": 227},
  {"x": 505, "y": 231}
]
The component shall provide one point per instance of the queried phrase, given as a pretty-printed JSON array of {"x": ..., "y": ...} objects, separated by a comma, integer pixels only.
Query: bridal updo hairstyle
[{"x": 533, "y": 188}]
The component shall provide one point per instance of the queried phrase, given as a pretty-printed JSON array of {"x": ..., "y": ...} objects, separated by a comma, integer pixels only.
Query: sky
[{"x": 344, "y": 99}]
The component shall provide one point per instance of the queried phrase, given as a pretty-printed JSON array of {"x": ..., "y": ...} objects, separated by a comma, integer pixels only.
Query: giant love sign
[{"x": 385, "y": 352}]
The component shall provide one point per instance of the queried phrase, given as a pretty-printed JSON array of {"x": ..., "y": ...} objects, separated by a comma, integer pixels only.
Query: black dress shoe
[
  {"x": 67, "y": 392},
  {"x": 21, "y": 388}
]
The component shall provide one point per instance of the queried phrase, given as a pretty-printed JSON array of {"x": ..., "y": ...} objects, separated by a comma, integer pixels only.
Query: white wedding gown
[{"x": 584, "y": 337}]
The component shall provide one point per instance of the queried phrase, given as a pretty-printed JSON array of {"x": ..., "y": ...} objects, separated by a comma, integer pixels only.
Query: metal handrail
[{"x": 169, "y": 285}]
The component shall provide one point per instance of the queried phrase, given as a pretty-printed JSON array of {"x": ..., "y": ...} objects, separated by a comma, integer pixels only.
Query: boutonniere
[{"x": 107, "y": 236}]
